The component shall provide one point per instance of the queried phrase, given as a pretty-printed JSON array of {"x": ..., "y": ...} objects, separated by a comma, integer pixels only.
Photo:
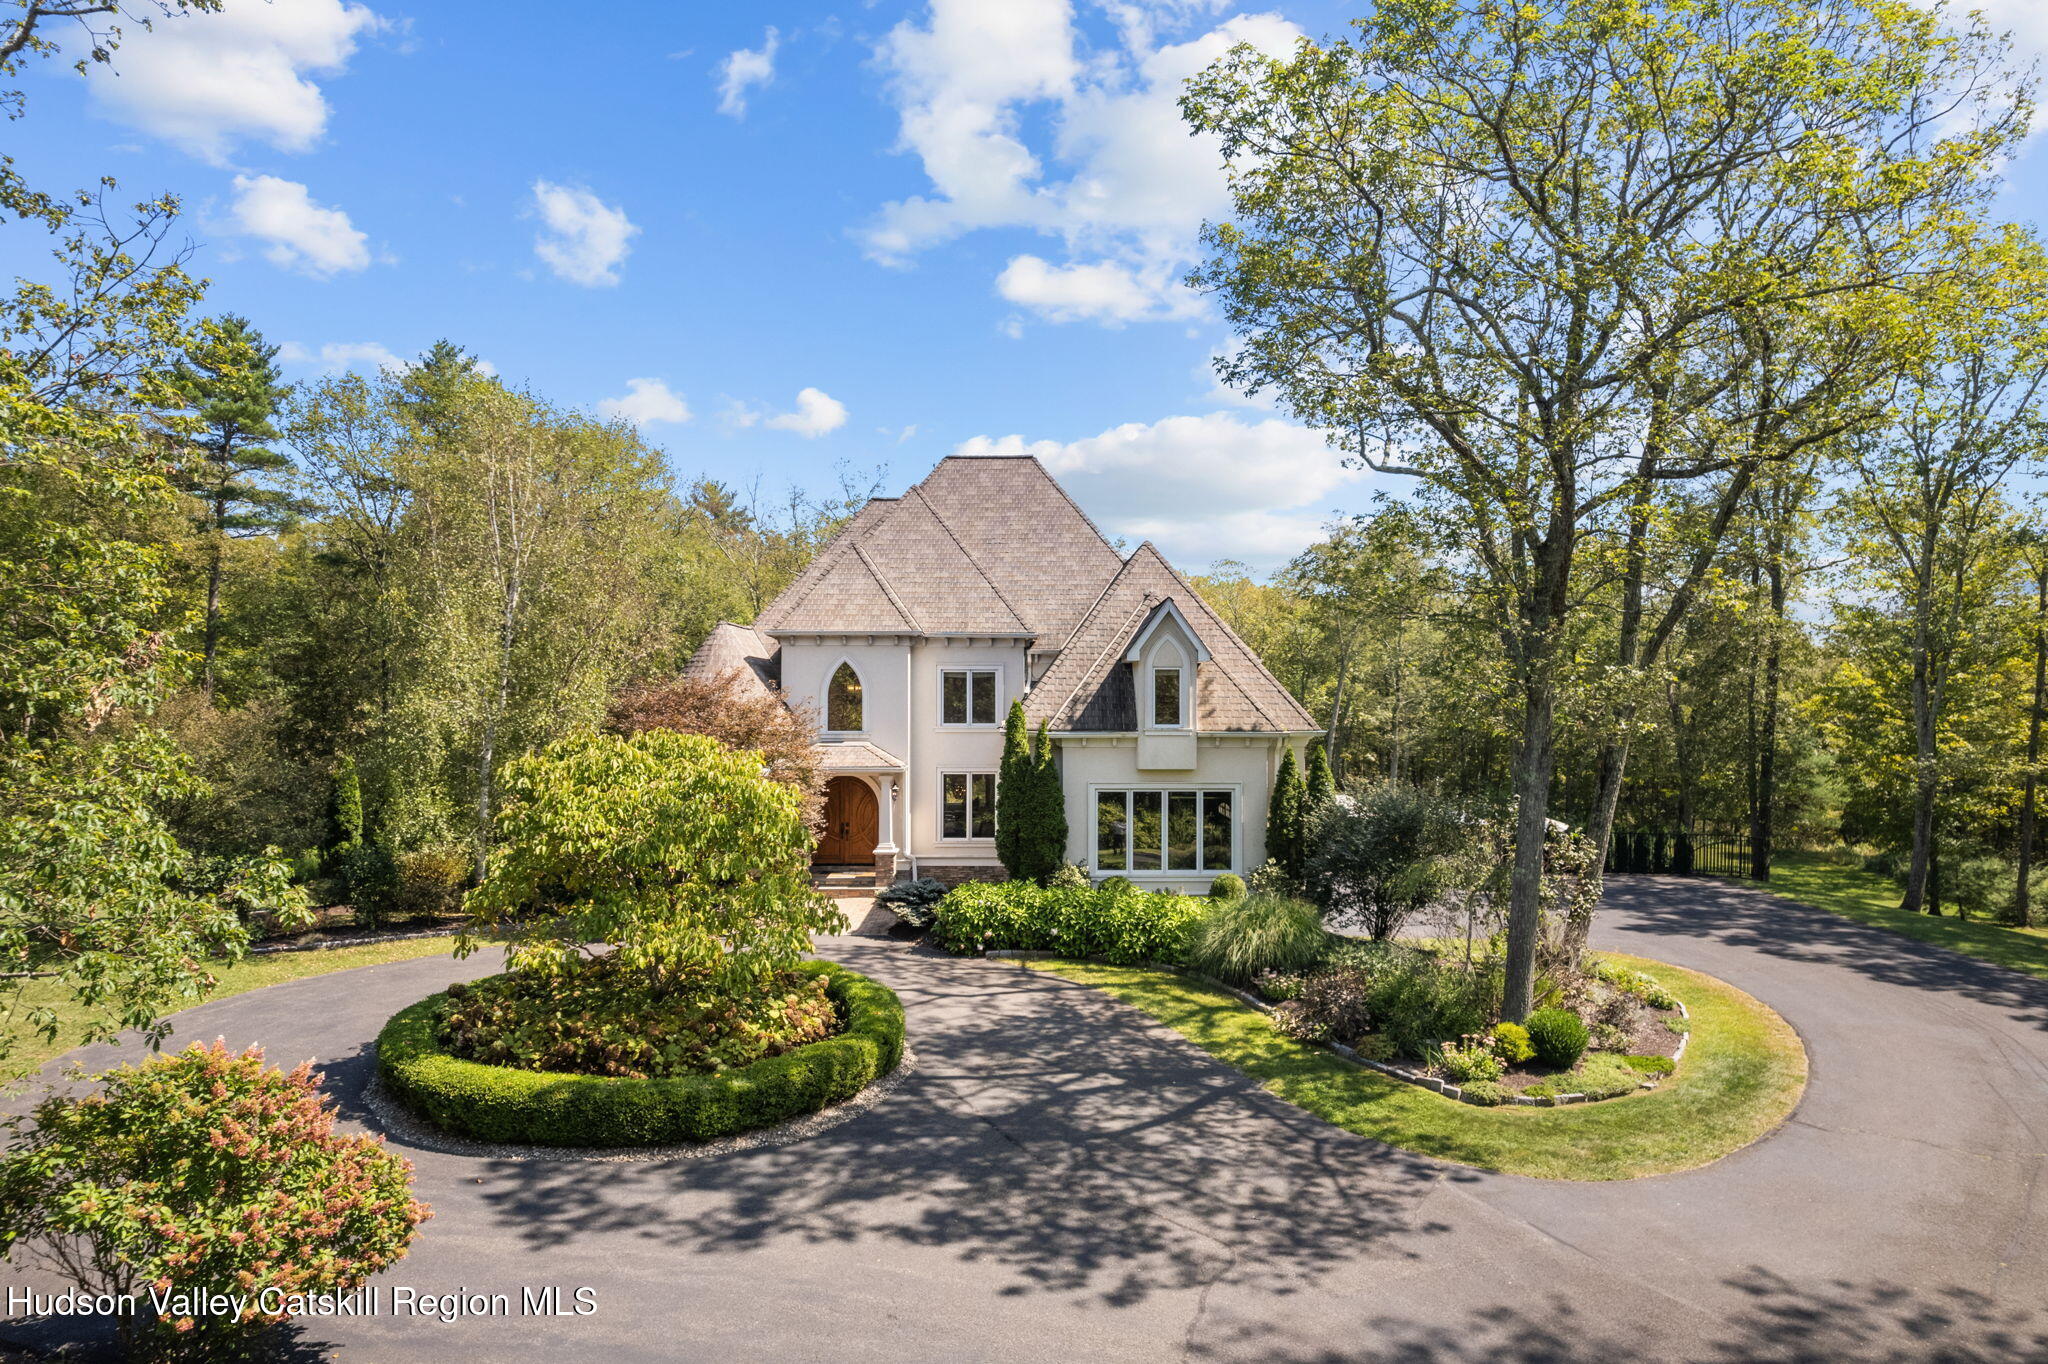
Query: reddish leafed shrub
[
  {"x": 736, "y": 716},
  {"x": 204, "y": 1172}
]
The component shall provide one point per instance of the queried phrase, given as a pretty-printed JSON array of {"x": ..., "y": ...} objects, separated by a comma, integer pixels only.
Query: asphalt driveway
[{"x": 1059, "y": 1179}]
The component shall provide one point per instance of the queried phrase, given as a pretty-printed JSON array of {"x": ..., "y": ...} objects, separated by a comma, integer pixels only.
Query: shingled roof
[
  {"x": 1089, "y": 685},
  {"x": 991, "y": 545},
  {"x": 741, "y": 649}
]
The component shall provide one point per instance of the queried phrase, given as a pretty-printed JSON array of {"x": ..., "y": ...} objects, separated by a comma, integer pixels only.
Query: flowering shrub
[
  {"x": 206, "y": 1172},
  {"x": 1115, "y": 923},
  {"x": 605, "y": 1020},
  {"x": 1279, "y": 985},
  {"x": 1469, "y": 1058}
]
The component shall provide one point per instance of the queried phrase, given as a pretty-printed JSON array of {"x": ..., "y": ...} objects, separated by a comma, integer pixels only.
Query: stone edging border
[
  {"x": 332, "y": 944},
  {"x": 1402, "y": 1073},
  {"x": 402, "y": 1125}
]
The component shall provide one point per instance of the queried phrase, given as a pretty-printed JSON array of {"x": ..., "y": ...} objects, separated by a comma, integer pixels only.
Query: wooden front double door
[{"x": 852, "y": 824}]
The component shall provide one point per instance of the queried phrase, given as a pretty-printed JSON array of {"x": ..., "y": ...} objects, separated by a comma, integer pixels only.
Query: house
[{"x": 911, "y": 633}]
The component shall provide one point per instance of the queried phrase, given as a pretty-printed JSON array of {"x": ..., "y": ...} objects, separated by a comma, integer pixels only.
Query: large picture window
[
  {"x": 967, "y": 696},
  {"x": 967, "y": 805},
  {"x": 1164, "y": 831},
  {"x": 842, "y": 701}
]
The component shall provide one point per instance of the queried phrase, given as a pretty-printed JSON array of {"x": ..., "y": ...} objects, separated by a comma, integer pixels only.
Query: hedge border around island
[{"x": 542, "y": 1108}]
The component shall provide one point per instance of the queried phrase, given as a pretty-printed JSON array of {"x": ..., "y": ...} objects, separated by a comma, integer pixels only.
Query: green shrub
[
  {"x": 606, "y": 1020},
  {"x": 1279, "y": 985},
  {"x": 205, "y": 1171},
  {"x": 1238, "y": 938},
  {"x": 914, "y": 903},
  {"x": 1228, "y": 886},
  {"x": 1488, "y": 1093},
  {"x": 1417, "y": 1001},
  {"x": 1468, "y": 1059},
  {"x": 1634, "y": 984},
  {"x": 1650, "y": 1065},
  {"x": 1373, "y": 1047},
  {"x": 1558, "y": 1036},
  {"x": 1070, "y": 876},
  {"x": 1115, "y": 925},
  {"x": 1608, "y": 1037},
  {"x": 1511, "y": 1043},
  {"x": 371, "y": 874},
  {"x": 497, "y": 1103},
  {"x": 430, "y": 881},
  {"x": 1118, "y": 885}
]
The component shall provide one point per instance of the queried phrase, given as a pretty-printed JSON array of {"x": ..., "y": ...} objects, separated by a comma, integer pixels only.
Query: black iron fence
[{"x": 1678, "y": 852}]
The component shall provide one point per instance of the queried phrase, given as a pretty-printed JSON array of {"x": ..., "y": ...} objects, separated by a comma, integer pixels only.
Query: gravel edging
[
  {"x": 402, "y": 1125},
  {"x": 1405, "y": 1074}
]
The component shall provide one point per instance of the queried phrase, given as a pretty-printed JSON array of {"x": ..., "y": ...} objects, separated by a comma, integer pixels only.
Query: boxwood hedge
[
  {"x": 497, "y": 1103},
  {"x": 1113, "y": 921}
]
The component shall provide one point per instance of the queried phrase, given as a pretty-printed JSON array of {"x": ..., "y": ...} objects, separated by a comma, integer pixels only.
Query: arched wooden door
[{"x": 852, "y": 823}]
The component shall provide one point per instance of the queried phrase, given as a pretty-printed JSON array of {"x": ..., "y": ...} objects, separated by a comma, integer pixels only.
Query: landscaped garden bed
[{"x": 419, "y": 1059}]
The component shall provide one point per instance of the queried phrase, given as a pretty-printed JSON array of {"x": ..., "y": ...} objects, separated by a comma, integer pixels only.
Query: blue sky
[{"x": 779, "y": 236}]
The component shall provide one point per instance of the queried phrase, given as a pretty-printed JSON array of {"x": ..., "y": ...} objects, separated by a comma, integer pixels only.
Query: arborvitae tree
[
  {"x": 1284, "y": 817},
  {"x": 229, "y": 383},
  {"x": 1014, "y": 781},
  {"x": 348, "y": 803},
  {"x": 1047, "y": 830},
  {"x": 1322, "y": 786}
]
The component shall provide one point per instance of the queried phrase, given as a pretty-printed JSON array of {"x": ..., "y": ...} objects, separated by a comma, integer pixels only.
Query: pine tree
[
  {"x": 1322, "y": 787},
  {"x": 229, "y": 383},
  {"x": 1283, "y": 817},
  {"x": 1014, "y": 782},
  {"x": 1047, "y": 831}
]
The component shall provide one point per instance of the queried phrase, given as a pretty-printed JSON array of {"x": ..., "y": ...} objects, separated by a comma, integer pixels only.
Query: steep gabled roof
[
  {"x": 872, "y": 512},
  {"x": 851, "y": 595},
  {"x": 1026, "y": 535},
  {"x": 1089, "y": 685},
  {"x": 931, "y": 573},
  {"x": 741, "y": 649}
]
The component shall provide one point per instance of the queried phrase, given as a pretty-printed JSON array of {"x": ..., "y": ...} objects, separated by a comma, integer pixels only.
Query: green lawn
[
  {"x": 1869, "y": 898},
  {"x": 1742, "y": 1075},
  {"x": 252, "y": 973}
]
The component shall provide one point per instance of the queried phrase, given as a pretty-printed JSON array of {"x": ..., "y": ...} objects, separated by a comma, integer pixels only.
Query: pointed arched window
[{"x": 842, "y": 701}]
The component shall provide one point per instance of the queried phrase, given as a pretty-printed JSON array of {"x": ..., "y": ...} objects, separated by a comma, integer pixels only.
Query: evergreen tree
[
  {"x": 1014, "y": 781},
  {"x": 230, "y": 386},
  {"x": 1284, "y": 817},
  {"x": 1047, "y": 831},
  {"x": 1322, "y": 787}
]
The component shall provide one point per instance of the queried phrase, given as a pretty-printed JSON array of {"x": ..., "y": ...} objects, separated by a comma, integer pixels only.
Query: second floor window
[
  {"x": 967, "y": 696},
  {"x": 842, "y": 701},
  {"x": 1166, "y": 697}
]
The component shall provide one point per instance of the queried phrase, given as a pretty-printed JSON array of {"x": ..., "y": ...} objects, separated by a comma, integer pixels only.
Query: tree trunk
[
  {"x": 1337, "y": 711},
  {"x": 212, "y": 647},
  {"x": 1926, "y": 769},
  {"x": 1762, "y": 821},
  {"x": 1534, "y": 763},
  {"x": 2022, "y": 907}
]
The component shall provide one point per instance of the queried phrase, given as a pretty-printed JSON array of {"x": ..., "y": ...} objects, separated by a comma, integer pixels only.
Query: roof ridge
[
  {"x": 811, "y": 574},
  {"x": 869, "y": 564},
  {"x": 968, "y": 555},
  {"x": 1060, "y": 488},
  {"x": 1229, "y": 634}
]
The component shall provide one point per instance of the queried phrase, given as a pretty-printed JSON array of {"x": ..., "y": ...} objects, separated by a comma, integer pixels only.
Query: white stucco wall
[{"x": 1242, "y": 764}]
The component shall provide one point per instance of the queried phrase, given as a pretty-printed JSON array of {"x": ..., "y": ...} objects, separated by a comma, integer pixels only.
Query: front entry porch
[{"x": 856, "y": 852}]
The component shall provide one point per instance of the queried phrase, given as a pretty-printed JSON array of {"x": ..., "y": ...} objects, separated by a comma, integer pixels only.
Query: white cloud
[
  {"x": 584, "y": 240},
  {"x": 743, "y": 69},
  {"x": 300, "y": 234},
  {"x": 645, "y": 402},
  {"x": 816, "y": 413},
  {"x": 209, "y": 81},
  {"x": 1127, "y": 187},
  {"x": 337, "y": 356},
  {"x": 1202, "y": 488},
  {"x": 1098, "y": 290}
]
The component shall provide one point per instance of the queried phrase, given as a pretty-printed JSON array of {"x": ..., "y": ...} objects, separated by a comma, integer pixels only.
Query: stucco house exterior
[{"x": 910, "y": 634}]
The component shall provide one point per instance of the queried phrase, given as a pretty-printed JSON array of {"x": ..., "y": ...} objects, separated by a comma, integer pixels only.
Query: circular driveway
[{"x": 1060, "y": 1179}]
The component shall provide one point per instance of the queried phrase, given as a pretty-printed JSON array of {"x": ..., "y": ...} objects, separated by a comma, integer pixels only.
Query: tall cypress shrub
[
  {"x": 1322, "y": 787},
  {"x": 1015, "y": 779},
  {"x": 1284, "y": 817},
  {"x": 1047, "y": 830}
]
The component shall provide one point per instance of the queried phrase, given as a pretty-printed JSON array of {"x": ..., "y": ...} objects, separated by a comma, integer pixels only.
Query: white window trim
[
  {"x": 940, "y": 786},
  {"x": 939, "y": 695},
  {"x": 825, "y": 699},
  {"x": 1178, "y": 664},
  {"x": 1237, "y": 817}
]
